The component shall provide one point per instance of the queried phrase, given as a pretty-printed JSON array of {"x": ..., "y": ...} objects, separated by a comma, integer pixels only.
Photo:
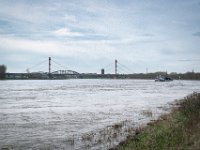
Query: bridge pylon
[
  {"x": 115, "y": 66},
  {"x": 49, "y": 65}
]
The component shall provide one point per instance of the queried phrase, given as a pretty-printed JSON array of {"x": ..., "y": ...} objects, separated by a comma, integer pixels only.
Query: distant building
[{"x": 102, "y": 71}]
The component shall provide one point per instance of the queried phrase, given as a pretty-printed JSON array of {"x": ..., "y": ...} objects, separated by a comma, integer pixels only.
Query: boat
[{"x": 163, "y": 79}]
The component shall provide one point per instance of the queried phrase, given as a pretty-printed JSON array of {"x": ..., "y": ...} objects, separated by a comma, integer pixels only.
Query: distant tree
[
  {"x": 173, "y": 73},
  {"x": 2, "y": 71}
]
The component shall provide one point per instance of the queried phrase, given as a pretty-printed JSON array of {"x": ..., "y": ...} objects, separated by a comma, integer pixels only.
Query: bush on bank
[{"x": 2, "y": 71}]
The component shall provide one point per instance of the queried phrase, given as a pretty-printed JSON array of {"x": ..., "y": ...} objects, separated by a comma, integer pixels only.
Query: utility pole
[
  {"x": 115, "y": 66},
  {"x": 49, "y": 65}
]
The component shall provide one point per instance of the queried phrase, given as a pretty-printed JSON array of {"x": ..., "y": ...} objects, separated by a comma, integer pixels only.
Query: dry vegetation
[{"x": 178, "y": 130}]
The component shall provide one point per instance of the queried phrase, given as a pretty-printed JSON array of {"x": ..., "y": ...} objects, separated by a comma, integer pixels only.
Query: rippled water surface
[{"x": 81, "y": 114}]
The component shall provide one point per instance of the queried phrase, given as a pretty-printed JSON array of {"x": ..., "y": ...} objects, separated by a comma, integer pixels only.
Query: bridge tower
[
  {"x": 49, "y": 65},
  {"x": 115, "y": 66}
]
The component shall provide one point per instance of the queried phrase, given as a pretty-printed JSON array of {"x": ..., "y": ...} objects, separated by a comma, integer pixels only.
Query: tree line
[
  {"x": 173, "y": 75},
  {"x": 2, "y": 71}
]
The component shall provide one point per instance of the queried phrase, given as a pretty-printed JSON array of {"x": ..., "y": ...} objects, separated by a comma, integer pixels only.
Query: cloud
[
  {"x": 23, "y": 12},
  {"x": 148, "y": 34},
  {"x": 196, "y": 34},
  {"x": 19, "y": 44},
  {"x": 80, "y": 49},
  {"x": 101, "y": 30},
  {"x": 70, "y": 18},
  {"x": 66, "y": 32}
]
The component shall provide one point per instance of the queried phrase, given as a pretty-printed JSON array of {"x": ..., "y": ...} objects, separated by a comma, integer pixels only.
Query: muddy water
[{"x": 81, "y": 114}]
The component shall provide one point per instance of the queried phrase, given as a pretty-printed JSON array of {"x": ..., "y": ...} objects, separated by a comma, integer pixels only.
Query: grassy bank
[{"x": 178, "y": 130}]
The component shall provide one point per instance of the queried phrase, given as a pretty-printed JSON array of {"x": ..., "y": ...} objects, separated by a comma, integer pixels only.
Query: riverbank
[
  {"x": 68, "y": 74},
  {"x": 178, "y": 130}
]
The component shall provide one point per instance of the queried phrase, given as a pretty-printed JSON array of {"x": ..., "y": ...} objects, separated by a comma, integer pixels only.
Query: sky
[{"x": 87, "y": 35}]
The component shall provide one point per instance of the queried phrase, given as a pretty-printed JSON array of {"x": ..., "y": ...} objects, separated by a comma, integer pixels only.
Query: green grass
[{"x": 178, "y": 130}]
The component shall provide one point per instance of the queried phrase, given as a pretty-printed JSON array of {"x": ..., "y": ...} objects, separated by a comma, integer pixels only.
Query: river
[{"x": 81, "y": 114}]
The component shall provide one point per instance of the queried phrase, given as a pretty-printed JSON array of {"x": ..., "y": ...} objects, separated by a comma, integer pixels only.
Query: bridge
[{"x": 65, "y": 73}]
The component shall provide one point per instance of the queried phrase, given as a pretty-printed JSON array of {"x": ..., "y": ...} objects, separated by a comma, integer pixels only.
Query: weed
[
  {"x": 147, "y": 113},
  {"x": 178, "y": 130}
]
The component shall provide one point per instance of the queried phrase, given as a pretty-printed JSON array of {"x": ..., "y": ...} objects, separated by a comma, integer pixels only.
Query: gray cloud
[
  {"x": 100, "y": 30},
  {"x": 196, "y": 34},
  {"x": 148, "y": 34}
]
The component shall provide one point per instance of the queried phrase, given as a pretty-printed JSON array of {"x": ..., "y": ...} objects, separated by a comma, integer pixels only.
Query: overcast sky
[{"x": 86, "y": 35}]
